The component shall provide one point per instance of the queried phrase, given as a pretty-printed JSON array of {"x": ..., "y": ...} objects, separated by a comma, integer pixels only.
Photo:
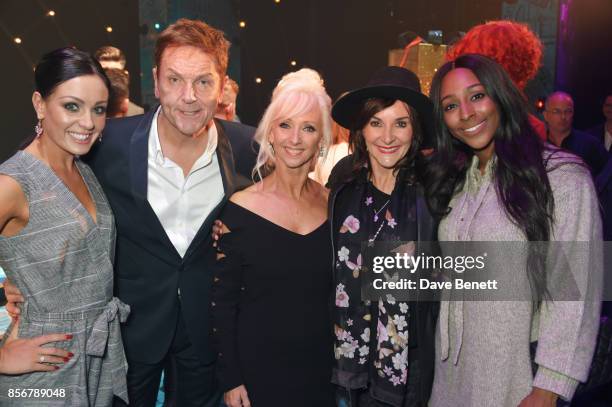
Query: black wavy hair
[{"x": 520, "y": 173}]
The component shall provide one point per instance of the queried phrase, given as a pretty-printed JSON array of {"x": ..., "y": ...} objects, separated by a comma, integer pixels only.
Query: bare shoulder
[
  {"x": 246, "y": 196},
  {"x": 10, "y": 192},
  {"x": 13, "y": 202}
]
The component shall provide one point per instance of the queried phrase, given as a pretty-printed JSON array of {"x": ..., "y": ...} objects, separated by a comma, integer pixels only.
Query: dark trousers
[
  {"x": 362, "y": 398},
  {"x": 195, "y": 382}
]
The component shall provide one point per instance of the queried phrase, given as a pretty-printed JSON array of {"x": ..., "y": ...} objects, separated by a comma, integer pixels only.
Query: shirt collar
[{"x": 474, "y": 178}]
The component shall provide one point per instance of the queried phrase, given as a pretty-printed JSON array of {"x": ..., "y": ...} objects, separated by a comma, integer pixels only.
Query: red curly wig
[{"x": 513, "y": 45}]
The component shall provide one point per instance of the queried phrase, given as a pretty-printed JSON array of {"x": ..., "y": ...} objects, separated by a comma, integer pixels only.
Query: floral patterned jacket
[{"x": 344, "y": 187}]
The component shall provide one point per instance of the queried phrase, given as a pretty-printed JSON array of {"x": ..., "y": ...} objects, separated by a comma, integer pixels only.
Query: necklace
[{"x": 376, "y": 212}]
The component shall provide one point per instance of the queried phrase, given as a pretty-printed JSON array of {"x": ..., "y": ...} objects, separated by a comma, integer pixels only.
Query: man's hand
[
  {"x": 19, "y": 355},
  {"x": 13, "y": 297},
  {"x": 540, "y": 398},
  {"x": 237, "y": 397},
  {"x": 218, "y": 230}
]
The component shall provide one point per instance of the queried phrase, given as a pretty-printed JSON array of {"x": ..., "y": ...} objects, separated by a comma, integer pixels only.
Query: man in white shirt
[{"x": 166, "y": 175}]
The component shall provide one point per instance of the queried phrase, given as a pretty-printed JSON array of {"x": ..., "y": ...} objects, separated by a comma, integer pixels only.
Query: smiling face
[
  {"x": 297, "y": 140},
  {"x": 388, "y": 136},
  {"x": 189, "y": 87},
  {"x": 74, "y": 114},
  {"x": 469, "y": 112}
]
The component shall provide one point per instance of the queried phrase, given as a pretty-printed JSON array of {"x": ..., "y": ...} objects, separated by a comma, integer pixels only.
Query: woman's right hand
[
  {"x": 237, "y": 397},
  {"x": 24, "y": 355}
]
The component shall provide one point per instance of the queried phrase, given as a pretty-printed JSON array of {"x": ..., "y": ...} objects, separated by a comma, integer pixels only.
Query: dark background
[
  {"x": 345, "y": 40},
  {"x": 81, "y": 23}
]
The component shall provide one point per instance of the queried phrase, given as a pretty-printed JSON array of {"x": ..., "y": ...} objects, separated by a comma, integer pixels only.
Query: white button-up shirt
[{"x": 180, "y": 202}]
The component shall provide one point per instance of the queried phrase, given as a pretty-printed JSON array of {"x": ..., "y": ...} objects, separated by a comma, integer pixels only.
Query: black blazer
[
  {"x": 148, "y": 270},
  {"x": 598, "y": 132}
]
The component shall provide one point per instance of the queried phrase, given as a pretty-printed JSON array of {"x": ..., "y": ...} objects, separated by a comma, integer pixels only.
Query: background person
[
  {"x": 559, "y": 117},
  {"x": 113, "y": 58},
  {"x": 226, "y": 109},
  {"x": 603, "y": 131},
  {"x": 337, "y": 151},
  {"x": 118, "y": 103}
]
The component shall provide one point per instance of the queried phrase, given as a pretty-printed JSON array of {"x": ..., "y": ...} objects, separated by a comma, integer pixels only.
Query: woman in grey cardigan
[{"x": 492, "y": 179}]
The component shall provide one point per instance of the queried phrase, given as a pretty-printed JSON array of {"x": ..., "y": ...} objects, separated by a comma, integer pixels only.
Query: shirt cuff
[{"x": 556, "y": 382}]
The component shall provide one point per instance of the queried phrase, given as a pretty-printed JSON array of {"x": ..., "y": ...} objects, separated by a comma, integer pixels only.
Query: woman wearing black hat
[{"x": 383, "y": 349}]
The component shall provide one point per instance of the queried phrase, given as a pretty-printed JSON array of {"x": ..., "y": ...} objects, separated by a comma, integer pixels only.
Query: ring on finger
[{"x": 42, "y": 359}]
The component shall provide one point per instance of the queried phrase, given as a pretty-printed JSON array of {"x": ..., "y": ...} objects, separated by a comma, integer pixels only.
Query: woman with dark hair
[
  {"x": 57, "y": 238},
  {"x": 383, "y": 349},
  {"x": 493, "y": 179}
]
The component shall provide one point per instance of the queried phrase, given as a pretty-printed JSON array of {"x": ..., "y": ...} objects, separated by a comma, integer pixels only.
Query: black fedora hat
[{"x": 390, "y": 82}]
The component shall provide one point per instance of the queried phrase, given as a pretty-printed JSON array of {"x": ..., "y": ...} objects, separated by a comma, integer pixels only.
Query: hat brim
[{"x": 347, "y": 107}]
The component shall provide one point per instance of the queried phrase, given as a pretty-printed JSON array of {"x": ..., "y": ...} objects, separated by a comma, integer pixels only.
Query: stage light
[
  {"x": 293, "y": 63},
  {"x": 51, "y": 13},
  {"x": 17, "y": 40},
  {"x": 109, "y": 29},
  {"x": 242, "y": 24},
  {"x": 277, "y": 1},
  {"x": 258, "y": 80},
  {"x": 157, "y": 26}
]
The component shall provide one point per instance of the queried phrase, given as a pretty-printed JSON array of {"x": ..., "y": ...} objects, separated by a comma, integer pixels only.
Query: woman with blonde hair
[{"x": 271, "y": 295}]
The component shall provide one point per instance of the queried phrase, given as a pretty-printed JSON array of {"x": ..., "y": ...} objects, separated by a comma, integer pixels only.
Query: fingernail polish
[
  {"x": 56, "y": 367},
  {"x": 69, "y": 336},
  {"x": 70, "y": 354},
  {"x": 66, "y": 359}
]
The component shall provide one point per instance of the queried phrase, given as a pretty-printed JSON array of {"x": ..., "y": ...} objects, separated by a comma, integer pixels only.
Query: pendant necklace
[{"x": 376, "y": 220}]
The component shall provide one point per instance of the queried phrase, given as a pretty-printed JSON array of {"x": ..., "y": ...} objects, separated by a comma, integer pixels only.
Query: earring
[
  {"x": 100, "y": 139},
  {"x": 271, "y": 147},
  {"x": 321, "y": 151},
  {"x": 38, "y": 128}
]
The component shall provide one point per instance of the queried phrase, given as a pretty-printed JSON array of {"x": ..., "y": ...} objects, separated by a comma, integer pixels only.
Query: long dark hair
[
  {"x": 357, "y": 144},
  {"x": 61, "y": 65},
  {"x": 520, "y": 173}
]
